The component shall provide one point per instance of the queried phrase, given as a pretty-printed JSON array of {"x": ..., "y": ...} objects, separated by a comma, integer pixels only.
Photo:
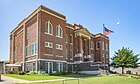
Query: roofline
[{"x": 40, "y": 8}]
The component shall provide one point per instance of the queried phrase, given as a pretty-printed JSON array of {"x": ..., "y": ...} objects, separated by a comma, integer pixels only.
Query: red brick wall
[{"x": 52, "y": 38}]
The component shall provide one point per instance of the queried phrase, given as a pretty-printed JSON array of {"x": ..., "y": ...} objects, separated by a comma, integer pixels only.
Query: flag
[{"x": 107, "y": 31}]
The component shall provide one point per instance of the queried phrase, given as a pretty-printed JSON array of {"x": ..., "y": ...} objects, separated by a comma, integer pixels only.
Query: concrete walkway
[{"x": 10, "y": 80}]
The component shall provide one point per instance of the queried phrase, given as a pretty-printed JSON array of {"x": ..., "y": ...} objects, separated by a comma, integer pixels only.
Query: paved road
[{"x": 10, "y": 80}]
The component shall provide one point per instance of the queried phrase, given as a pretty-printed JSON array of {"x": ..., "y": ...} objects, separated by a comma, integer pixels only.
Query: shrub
[
  {"x": 12, "y": 72},
  {"x": 21, "y": 73}
]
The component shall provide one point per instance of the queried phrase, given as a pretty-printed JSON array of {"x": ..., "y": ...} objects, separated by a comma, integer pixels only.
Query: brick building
[{"x": 46, "y": 43}]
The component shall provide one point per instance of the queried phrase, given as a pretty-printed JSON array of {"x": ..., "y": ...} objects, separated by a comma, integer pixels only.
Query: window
[
  {"x": 71, "y": 39},
  {"x": 66, "y": 53},
  {"x": 106, "y": 47},
  {"x": 59, "y": 31},
  {"x": 106, "y": 56},
  {"x": 60, "y": 67},
  {"x": 66, "y": 38},
  {"x": 92, "y": 45},
  {"x": 59, "y": 47},
  {"x": 71, "y": 54},
  {"x": 103, "y": 55},
  {"x": 34, "y": 49},
  {"x": 33, "y": 67},
  {"x": 97, "y": 45},
  {"x": 102, "y": 45},
  {"x": 48, "y": 44},
  {"x": 48, "y": 28},
  {"x": 28, "y": 51}
]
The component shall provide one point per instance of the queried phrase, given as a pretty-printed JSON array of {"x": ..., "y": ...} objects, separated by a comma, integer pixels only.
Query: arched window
[
  {"x": 59, "y": 31},
  {"x": 97, "y": 45},
  {"x": 71, "y": 39},
  {"x": 48, "y": 28}
]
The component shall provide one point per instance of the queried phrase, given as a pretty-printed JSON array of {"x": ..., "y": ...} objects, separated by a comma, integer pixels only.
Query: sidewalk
[{"x": 10, "y": 80}]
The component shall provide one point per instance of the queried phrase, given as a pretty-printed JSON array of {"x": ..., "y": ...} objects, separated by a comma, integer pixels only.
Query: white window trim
[
  {"x": 106, "y": 47},
  {"x": 103, "y": 55},
  {"x": 34, "y": 66},
  {"x": 59, "y": 28},
  {"x": 97, "y": 46},
  {"x": 72, "y": 39},
  {"x": 34, "y": 49},
  {"x": 59, "y": 67},
  {"x": 48, "y": 28},
  {"x": 72, "y": 55},
  {"x": 107, "y": 56},
  {"x": 59, "y": 47},
  {"x": 48, "y": 44},
  {"x": 49, "y": 66},
  {"x": 29, "y": 52}
]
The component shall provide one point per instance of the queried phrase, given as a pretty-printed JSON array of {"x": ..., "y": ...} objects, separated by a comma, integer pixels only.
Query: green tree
[{"x": 125, "y": 58}]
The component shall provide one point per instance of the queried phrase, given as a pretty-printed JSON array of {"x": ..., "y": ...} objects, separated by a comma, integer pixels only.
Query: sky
[{"x": 121, "y": 16}]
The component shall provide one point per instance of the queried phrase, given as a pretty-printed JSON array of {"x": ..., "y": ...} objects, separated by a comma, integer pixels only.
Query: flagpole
[{"x": 103, "y": 47}]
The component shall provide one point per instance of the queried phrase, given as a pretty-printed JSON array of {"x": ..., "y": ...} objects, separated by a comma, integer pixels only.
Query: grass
[
  {"x": 100, "y": 80},
  {"x": 34, "y": 77},
  {"x": 46, "y": 76},
  {"x": 85, "y": 79}
]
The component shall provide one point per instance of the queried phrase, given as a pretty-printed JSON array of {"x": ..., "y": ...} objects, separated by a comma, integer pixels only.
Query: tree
[{"x": 125, "y": 58}]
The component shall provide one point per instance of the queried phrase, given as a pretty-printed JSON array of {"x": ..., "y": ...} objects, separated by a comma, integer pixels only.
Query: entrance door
[{"x": 50, "y": 67}]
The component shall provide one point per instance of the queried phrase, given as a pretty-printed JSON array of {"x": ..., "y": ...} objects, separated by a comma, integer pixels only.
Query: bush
[
  {"x": 112, "y": 72},
  {"x": 12, "y": 72},
  {"x": 21, "y": 73}
]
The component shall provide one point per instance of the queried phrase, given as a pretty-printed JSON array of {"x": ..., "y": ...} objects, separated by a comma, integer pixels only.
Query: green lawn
[
  {"x": 47, "y": 77},
  {"x": 85, "y": 79},
  {"x": 100, "y": 80},
  {"x": 34, "y": 76}
]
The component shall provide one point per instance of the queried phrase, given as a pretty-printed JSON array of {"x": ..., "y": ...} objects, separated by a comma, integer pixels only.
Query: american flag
[{"x": 107, "y": 31}]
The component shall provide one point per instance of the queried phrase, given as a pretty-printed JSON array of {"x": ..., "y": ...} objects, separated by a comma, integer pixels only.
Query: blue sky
[{"x": 90, "y": 13}]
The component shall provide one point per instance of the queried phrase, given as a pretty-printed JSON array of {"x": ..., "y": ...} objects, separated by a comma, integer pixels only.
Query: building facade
[{"x": 44, "y": 42}]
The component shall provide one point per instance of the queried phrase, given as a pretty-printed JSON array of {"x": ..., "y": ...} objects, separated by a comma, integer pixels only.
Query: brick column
[
  {"x": 37, "y": 28},
  {"x": 13, "y": 48},
  {"x": 89, "y": 51},
  {"x": 24, "y": 47}
]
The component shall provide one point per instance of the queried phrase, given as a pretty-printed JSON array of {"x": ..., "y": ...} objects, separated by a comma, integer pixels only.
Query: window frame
[
  {"x": 28, "y": 51},
  {"x": 71, "y": 39},
  {"x": 59, "y": 31},
  {"x": 34, "y": 49},
  {"x": 70, "y": 54},
  {"x": 48, "y": 27},
  {"x": 59, "y": 47},
  {"x": 49, "y": 43},
  {"x": 97, "y": 46}
]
